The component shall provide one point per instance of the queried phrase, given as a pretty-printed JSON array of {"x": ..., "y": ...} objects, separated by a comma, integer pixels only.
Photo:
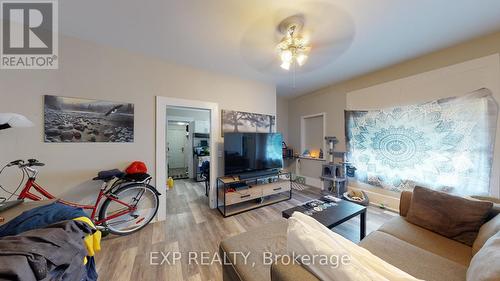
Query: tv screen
[{"x": 250, "y": 152}]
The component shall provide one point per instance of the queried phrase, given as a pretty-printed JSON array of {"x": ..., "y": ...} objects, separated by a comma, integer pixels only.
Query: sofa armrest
[
  {"x": 404, "y": 202},
  {"x": 290, "y": 272}
]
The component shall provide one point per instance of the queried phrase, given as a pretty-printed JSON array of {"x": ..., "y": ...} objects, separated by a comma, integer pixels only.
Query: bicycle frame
[{"x": 31, "y": 183}]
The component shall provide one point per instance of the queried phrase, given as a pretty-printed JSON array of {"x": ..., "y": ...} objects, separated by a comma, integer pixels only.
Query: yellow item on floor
[
  {"x": 170, "y": 183},
  {"x": 92, "y": 241}
]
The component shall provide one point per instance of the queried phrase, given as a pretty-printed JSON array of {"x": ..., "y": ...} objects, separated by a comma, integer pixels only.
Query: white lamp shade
[
  {"x": 286, "y": 56},
  {"x": 15, "y": 120},
  {"x": 301, "y": 59},
  {"x": 285, "y": 65}
]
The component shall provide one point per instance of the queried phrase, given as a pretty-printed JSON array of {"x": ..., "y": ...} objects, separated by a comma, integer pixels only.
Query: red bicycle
[{"x": 130, "y": 202}]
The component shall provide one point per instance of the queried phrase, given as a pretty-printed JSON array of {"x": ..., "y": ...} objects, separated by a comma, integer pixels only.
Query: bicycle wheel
[{"x": 143, "y": 196}]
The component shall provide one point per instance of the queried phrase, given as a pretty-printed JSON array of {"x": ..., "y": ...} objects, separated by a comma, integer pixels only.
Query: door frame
[{"x": 161, "y": 155}]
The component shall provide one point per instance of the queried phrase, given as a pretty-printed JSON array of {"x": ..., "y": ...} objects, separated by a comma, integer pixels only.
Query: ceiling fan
[
  {"x": 288, "y": 37},
  {"x": 293, "y": 49}
]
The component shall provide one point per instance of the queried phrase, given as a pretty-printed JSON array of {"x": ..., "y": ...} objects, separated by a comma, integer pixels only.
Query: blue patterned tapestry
[{"x": 444, "y": 144}]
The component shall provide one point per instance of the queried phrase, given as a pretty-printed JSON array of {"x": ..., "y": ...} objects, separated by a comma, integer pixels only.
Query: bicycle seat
[{"x": 109, "y": 175}]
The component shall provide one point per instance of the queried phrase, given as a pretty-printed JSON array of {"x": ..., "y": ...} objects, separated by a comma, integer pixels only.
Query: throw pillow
[
  {"x": 485, "y": 232},
  {"x": 485, "y": 265},
  {"x": 309, "y": 240},
  {"x": 496, "y": 204},
  {"x": 452, "y": 216}
]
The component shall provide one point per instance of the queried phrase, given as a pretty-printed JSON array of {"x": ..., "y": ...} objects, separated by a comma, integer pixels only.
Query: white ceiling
[{"x": 207, "y": 34}]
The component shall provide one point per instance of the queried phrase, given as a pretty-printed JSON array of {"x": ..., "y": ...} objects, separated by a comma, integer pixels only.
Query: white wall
[
  {"x": 88, "y": 70},
  {"x": 454, "y": 80}
]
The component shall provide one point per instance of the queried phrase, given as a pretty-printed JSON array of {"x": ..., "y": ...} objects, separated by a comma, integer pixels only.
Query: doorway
[
  {"x": 179, "y": 146},
  {"x": 186, "y": 145}
]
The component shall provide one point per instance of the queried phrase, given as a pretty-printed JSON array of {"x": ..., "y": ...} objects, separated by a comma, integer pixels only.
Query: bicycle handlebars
[
  {"x": 21, "y": 164},
  {"x": 14, "y": 163}
]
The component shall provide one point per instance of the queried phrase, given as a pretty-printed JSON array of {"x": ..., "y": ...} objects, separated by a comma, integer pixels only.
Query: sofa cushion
[
  {"x": 413, "y": 260},
  {"x": 267, "y": 238},
  {"x": 308, "y": 238},
  {"x": 427, "y": 240},
  {"x": 486, "y": 231},
  {"x": 286, "y": 271},
  {"x": 452, "y": 216},
  {"x": 485, "y": 266}
]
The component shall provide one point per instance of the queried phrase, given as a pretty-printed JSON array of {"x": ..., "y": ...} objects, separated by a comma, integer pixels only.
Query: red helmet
[{"x": 136, "y": 167}]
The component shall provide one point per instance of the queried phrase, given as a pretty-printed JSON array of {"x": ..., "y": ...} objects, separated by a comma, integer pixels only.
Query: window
[
  {"x": 445, "y": 144},
  {"x": 313, "y": 134}
]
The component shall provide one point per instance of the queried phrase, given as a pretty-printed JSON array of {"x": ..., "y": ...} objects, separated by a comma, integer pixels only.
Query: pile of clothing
[{"x": 50, "y": 242}]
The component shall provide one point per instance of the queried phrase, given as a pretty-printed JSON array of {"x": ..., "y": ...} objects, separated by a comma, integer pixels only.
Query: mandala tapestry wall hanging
[{"x": 445, "y": 144}]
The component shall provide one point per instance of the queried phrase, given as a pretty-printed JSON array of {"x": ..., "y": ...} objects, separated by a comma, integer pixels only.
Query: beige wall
[
  {"x": 332, "y": 99},
  {"x": 282, "y": 117},
  {"x": 88, "y": 70}
]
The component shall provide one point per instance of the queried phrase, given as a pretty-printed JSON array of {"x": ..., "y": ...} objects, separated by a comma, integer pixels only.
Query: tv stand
[{"x": 236, "y": 195}]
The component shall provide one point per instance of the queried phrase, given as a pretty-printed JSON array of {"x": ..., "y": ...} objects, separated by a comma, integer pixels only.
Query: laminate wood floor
[{"x": 192, "y": 226}]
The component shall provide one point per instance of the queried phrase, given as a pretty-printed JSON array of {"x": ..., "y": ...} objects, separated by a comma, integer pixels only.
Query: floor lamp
[{"x": 14, "y": 120}]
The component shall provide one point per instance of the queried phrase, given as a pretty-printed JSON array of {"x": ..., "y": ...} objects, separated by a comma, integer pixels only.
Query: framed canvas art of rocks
[{"x": 85, "y": 120}]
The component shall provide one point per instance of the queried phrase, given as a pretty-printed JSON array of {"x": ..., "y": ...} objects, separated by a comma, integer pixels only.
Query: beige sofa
[{"x": 418, "y": 251}]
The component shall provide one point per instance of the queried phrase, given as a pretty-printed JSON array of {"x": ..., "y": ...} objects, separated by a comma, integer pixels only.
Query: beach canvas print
[{"x": 86, "y": 120}]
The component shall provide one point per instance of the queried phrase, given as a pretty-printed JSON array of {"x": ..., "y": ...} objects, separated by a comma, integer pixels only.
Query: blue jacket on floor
[{"x": 40, "y": 217}]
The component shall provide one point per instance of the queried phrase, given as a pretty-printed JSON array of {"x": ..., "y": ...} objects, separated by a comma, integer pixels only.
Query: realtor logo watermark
[{"x": 29, "y": 35}]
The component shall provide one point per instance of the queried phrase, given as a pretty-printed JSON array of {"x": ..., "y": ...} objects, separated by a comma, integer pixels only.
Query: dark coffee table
[{"x": 335, "y": 215}]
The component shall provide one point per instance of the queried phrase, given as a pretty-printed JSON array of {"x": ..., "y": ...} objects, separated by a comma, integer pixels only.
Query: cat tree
[{"x": 334, "y": 174}]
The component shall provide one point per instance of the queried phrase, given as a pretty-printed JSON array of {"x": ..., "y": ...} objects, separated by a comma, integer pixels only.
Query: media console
[{"x": 236, "y": 195}]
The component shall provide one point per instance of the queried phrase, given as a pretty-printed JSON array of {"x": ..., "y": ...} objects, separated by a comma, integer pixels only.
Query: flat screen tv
[{"x": 252, "y": 152}]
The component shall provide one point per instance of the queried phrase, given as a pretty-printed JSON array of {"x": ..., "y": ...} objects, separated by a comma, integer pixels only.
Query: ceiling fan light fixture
[
  {"x": 286, "y": 65},
  {"x": 286, "y": 56},
  {"x": 293, "y": 48},
  {"x": 301, "y": 59}
]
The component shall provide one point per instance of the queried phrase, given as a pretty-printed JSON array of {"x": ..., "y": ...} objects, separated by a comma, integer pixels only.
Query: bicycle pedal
[{"x": 104, "y": 231}]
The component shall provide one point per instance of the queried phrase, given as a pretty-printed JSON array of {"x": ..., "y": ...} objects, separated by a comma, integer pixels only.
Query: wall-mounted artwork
[
  {"x": 85, "y": 120},
  {"x": 246, "y": 122}
]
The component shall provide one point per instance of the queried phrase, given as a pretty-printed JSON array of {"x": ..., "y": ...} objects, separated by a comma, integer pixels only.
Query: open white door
[{"x": 161, "y": 146}]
